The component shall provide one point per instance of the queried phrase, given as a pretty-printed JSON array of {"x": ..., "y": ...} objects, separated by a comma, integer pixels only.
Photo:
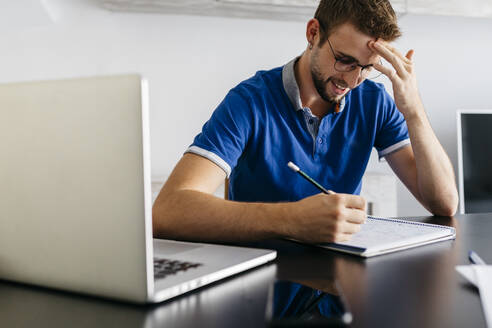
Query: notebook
[{"x": 385, "y": 235}]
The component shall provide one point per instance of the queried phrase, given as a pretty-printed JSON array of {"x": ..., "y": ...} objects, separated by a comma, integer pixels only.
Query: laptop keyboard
[{"x": 165, "y": 267}]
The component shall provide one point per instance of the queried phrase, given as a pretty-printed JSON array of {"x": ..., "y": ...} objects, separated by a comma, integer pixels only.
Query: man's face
[{"x": 346, "y": 41}]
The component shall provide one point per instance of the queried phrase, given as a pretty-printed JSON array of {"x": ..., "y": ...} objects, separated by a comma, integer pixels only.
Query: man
[{"x": 322, "y": 113}]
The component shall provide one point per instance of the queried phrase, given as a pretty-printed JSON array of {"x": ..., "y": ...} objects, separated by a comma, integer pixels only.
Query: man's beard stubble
[{"x": 319, "y": 83}]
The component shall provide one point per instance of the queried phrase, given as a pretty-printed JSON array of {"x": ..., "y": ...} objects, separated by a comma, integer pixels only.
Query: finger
[
  {"x": 390, "y": 73},
  {"x": 341, "y": 237},
  {"x": 353, "y": 201},
  {"x": 395, "y": 51},
  {"x": 409, "y": 55},
  {"x": 391, "y": 58},
  {"x": 355, "y": 216},
  {"x": 350, "y": 228},
  {"x": 405, "y": 59}
]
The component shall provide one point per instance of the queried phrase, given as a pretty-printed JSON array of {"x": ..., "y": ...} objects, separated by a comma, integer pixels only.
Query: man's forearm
[
  {"x": 435, "y": 184},
  {"x": 197, "y": 216},
  {"x": 435, "y": 174},
  {"x": 194, "y": 215}
]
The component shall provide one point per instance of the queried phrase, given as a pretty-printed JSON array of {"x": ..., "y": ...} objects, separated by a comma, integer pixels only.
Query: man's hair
[{"x": 375, "y": 18}]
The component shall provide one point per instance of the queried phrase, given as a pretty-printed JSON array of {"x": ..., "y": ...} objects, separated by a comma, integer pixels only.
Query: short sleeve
[
  {"x": 392, "y": 133},
  {"x": 225, "y": 135}
]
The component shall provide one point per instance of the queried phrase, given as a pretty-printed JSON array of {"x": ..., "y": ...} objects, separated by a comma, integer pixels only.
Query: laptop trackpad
[{"x": 168, "y": 247}]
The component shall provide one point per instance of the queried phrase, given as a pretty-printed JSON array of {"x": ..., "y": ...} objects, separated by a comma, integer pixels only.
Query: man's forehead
[{"x": 348, "y": 40}]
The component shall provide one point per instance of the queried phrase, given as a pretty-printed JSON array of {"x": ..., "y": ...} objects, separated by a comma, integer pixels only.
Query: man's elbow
[
  {"x": 445, "y": 211},
  {"x": 158, "y": 221},
  {"x": 446, "y": 206}
]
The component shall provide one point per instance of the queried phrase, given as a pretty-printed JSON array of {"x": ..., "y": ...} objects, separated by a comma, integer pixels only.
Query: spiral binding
[{"x": 410, "y": 222}]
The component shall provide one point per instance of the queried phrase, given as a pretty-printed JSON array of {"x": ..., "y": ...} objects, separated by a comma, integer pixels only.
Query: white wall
[
  {"x": 452, "y": 56},
  {"x": 191, "y": 62}
]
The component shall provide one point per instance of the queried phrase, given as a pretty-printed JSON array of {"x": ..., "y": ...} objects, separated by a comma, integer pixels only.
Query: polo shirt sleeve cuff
[
  {"x": 212, "y": 157},
  {"x": 393, "y": 148}
]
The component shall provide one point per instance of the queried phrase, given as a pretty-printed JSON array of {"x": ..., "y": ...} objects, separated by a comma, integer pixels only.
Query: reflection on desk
[
  {"x": 27, "y": 306},
  {"x": 294, "y": 304}
]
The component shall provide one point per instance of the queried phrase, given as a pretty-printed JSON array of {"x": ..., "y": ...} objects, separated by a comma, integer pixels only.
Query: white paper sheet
[
  {"x": 481, "y": 277},
  {"x": 483, "y": 274},
  {"x": 467, "y": 272}
]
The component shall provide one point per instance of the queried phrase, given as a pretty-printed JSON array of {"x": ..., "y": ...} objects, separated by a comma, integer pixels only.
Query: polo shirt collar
[{"x": 292, "y": 89}]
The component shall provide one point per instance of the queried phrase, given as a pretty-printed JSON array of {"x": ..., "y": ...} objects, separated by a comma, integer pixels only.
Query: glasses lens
[
  {"x": 372, "y": 73},
  {"x": 343, "y": 65}
]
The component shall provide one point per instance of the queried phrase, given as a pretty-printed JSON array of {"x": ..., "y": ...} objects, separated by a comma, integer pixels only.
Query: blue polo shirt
[{"x": 261, "y": 125}]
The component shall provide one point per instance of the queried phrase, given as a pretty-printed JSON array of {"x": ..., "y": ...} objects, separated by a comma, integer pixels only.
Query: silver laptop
[{"x": 75, "y": 196}]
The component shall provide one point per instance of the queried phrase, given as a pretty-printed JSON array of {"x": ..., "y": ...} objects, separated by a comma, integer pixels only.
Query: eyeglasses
[{"x": 348, "y": 64}]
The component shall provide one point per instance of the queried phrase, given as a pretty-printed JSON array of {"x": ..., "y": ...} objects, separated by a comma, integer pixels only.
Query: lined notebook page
[{"x": 383, "y": 233}]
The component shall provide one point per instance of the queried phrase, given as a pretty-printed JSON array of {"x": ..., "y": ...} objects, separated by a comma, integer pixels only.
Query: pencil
[{"x": 295, "y": 168}]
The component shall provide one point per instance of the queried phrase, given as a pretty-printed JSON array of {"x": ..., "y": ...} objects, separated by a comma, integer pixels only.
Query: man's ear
[{"x": 312, "y": 31}]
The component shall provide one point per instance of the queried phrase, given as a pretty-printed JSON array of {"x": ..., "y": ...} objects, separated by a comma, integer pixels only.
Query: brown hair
[{"x": 372, "y": 17}]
